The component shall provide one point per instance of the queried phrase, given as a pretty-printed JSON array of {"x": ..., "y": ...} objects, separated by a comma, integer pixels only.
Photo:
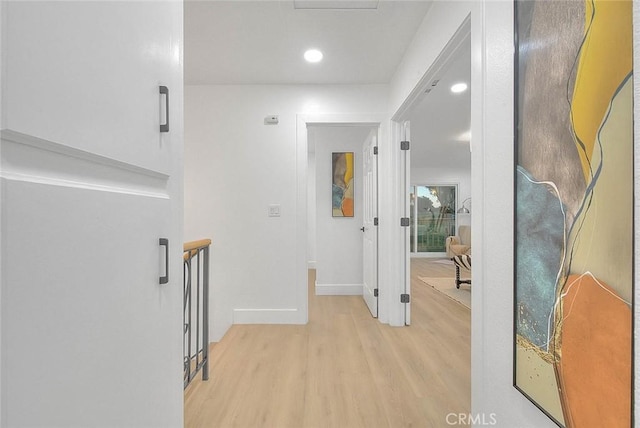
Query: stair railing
[{"x": 196, "y": 309}]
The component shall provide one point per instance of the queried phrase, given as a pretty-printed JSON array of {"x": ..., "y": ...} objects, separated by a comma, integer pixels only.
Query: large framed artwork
[
  {"x": 342, "y": 189},
  {"x": 573, "y": 297}
]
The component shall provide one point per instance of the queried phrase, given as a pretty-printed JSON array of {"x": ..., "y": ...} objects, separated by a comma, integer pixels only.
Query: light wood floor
[{"x": 342, "y": 369}]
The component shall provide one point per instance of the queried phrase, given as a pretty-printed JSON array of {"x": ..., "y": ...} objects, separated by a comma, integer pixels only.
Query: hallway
[{"x": 342, "y": 369}]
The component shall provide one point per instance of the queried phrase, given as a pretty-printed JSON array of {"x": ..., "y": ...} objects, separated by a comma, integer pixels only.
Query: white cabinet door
[
  {"x": 88, "y": 186},
  {"x": 370, "y": 229},
  {"x": 86, "y": 74}
]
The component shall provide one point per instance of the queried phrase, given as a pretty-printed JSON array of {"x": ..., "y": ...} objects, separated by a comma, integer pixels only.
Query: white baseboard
[
  {"x": 338, "y": 289},
  {"x": 311, "y": 264},
  {"x": 429, "y": 255},
  {"x": 266, "y": 316}
]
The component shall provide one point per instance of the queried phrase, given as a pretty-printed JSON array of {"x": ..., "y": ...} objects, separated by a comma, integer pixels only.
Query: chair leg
[{"x": 457, "y": 276}]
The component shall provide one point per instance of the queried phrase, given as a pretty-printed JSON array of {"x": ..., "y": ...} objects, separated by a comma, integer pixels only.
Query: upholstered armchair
[{"x": 459, "y": 244}]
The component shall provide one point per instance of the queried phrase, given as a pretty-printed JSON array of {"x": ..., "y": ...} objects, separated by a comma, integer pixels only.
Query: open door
[
  {"x": 91, "y": 182},
  {"x": 370, "y": 220}
]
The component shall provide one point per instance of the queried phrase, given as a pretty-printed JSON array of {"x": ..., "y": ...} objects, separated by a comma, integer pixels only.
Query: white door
[
  {"x": 89, "y": 185},
  {"x": 370, "y": 229},
  {"x": 406, "y": 174}
]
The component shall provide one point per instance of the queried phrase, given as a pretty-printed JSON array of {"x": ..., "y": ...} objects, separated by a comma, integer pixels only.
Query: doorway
[
  {"x": 304, "y": 226},
  {"x": 435, "y": 174},
  {"x": 434, "y": 123},
  {"x": 341, "y": 238},
  {"x": 440, "y": 156}
]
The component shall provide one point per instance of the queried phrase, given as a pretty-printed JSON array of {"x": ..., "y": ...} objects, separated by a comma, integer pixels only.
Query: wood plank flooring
[{"x": 342, "y": 369}]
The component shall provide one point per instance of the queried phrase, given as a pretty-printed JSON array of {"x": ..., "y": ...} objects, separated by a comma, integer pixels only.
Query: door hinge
[
  {"x": 404, "y": 145},
  {"x": 375, "y": 221},
  {"x": 375, "y": 150},
  {"x": 404, "y": 221},
  {"x": 375, "y": 292},
  {"x": 404, "y": 298}
]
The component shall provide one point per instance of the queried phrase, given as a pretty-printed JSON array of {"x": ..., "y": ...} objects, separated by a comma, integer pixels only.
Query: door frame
[
  {"x": 399, "y": 125},
  {"x": 378, "y": 120}
]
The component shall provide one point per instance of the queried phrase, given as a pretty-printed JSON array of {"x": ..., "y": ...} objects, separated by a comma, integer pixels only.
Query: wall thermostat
[{"x": 271, "y": 120}]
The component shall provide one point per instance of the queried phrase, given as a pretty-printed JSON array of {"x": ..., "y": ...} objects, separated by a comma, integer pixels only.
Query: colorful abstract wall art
[
  {"x": 342, "y": 185},
  {"x": 574, "y": 226}
]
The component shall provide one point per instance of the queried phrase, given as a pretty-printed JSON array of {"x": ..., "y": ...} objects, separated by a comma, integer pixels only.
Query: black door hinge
[
  {"x": 375, "y": 292},
  {"x": 375, "y": 221},
  {"x": 404, "y": 221},
  {"x": 375, "y": 150},
  {"x": 404, "y": 298},
  {"x": 404, "y": 145}
]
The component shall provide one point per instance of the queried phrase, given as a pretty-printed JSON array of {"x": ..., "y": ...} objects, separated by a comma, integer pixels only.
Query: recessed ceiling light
[
  {"x": 313, "y": 55},
  {"x": 459, "y": 87}
]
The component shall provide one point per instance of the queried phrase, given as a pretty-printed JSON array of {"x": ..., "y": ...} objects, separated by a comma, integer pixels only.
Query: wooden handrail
[
  {"x": 194, "y": 245},
  {"x": 188, "y": 254},
  {"x": 191, "y": 248}
]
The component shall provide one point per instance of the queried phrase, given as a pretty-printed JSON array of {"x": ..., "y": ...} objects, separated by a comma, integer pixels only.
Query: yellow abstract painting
[
  {"x": 574, "y": 210},
  {"x": 342, "y": 186}
]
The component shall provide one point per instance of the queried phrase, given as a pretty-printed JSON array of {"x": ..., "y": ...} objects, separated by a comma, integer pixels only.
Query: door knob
[{"x": 362, "y": 228}]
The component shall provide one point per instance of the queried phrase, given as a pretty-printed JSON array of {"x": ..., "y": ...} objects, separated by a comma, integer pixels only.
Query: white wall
[
  {"x": 461, "y": 177},
  {"x": 235, "y": 166},
  {"x": 339, "y": 240}
]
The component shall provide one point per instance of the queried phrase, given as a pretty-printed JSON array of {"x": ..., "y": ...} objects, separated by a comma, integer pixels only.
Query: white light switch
[{"x": 274, "y": 210}]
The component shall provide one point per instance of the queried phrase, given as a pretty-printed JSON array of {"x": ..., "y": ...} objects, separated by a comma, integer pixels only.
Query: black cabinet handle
[
  {"x": 164, "y": 90},
  {"x": 165, "y": 242}
]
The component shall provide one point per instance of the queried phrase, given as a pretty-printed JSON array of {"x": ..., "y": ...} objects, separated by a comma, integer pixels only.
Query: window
[{"x": 433, "y": 217}]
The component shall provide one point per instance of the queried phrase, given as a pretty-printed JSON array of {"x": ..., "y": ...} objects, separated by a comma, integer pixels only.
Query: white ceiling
[{"x": 262, "y": 42}]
